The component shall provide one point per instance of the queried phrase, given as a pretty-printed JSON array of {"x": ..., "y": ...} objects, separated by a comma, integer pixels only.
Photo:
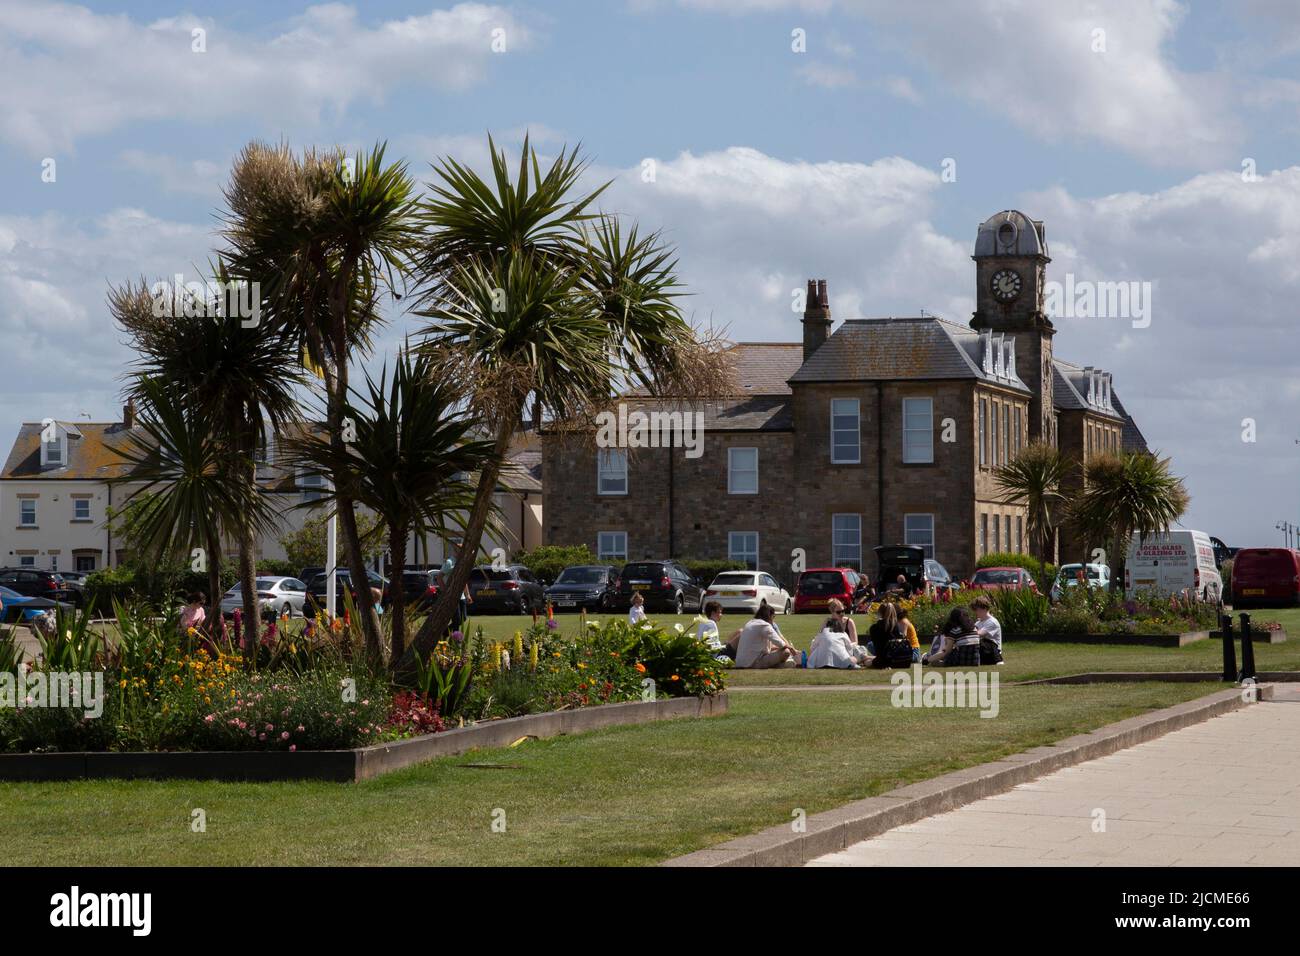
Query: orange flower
[
  {"x": 674, "y": 677},
  {"x": 640, "y": 667}
]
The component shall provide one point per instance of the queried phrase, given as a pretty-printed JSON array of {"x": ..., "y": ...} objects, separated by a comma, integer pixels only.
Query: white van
[{"x": 1176, "y": 562}]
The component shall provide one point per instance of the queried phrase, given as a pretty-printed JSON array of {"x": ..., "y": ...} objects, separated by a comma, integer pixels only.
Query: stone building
[{"x": 879, "y": 431}]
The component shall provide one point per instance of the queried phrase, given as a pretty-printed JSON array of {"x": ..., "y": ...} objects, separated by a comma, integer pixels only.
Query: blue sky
[{"x": 772, "y": 166}]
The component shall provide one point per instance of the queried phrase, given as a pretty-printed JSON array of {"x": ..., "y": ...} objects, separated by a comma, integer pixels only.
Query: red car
[
  {"x": 1266, "y": 577},
  {"x": 1003, "y": 579},
  {"x": 818, "y": 585}
]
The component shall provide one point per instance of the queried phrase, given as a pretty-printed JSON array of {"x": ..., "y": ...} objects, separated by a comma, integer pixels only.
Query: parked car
[
  {"x": 16, "y": 608},
  {"x": 922, "y": 573},
  {"x": 1004, "y": 579},
  {"x": 1174, "y": 562},
  {"x": 34, "y": 582},
  {"x": 420, "y": 588},
  {"x": 589, "y": 586},
  {"x": 1068, "y": 576},
  {"x": 507, "y": 590},
  {"x": 306, "y": 574},
  {"x": 745, "y": 590},
  {"x": 319, "y": 583},
  {"x": 816, "y": 586},
  {"x": 1266, "y": 577},
  {"x": 666, "y": 585},
  {"x": 276, "y": 596}
]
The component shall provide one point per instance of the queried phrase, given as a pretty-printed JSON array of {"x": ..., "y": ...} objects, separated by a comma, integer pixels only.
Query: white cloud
[
  {"x": 67, "y": 72},
  {"x": 826, "y": 75},
  {"x": 200, "y": 177}
]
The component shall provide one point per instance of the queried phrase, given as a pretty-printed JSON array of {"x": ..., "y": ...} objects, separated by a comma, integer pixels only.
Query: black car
[
  {"x": 509, "y": 590},
  {"x": 420, "y": 588},
  {"x": 666, "y": 586},
  {"x": 319, "y": 584},
  {"x": 33, "y": 582},
  {"x": 589, "y": 586},
  {"x": 909, "y": 560}
]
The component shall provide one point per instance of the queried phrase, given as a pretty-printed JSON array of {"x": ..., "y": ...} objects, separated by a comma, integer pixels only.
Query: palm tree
[
  {"x": 536, "y": 304},
  {"x": 1033, "y": 480},
  {"x": 185, "y": 494},
  {"x": 1126, "y": 494},
  {"x": 326, "y": 237},
  {"x": 238, "y": 380},
  {"x": 414, "y": 447}
]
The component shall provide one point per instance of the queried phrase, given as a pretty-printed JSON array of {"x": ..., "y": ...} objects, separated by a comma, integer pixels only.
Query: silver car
[{"x": 276, "y": 595}]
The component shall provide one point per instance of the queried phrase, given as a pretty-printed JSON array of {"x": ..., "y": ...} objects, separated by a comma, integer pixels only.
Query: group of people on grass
[{"x": 968, "y": 638}]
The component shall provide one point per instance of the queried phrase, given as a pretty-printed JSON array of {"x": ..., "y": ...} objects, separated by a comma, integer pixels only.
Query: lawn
[{"x": 623, "y": 796}]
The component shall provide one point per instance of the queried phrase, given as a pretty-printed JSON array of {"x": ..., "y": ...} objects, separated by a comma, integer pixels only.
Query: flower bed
[{"x": 310, "y": 691}]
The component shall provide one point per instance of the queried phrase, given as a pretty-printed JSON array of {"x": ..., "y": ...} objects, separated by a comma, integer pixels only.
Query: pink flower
[
  {"x": 292, "y": 748},
  {"x": 301, "y": 728},
  {"x": 284, "y": 735},
  {"x": 261, "y": 736}
]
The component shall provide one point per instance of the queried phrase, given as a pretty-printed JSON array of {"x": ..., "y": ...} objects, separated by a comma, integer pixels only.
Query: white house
[{"x": 55, "y": 496}]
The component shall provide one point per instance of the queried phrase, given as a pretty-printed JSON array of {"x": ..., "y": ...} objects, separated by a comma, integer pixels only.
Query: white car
[
  {"x": 276, "y": 596},
  {"x": 1068, "y": 577},
  {"x": 745, "y": 590}
]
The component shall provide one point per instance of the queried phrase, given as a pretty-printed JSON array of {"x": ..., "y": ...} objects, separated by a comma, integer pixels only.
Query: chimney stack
[
  {"x": 128, "y": 413},
  {"x": 816, "y": 317}
]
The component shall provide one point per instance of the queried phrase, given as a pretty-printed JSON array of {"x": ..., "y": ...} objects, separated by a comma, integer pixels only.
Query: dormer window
[
  {"x": 54, "y": 445},
  {"x": 312, "y": 485}
]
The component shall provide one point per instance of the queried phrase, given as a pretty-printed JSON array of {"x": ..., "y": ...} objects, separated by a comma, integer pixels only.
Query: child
[
  {"x": 636, "y": 613},
  {"x": 905, "y": 622},
  {"x": 193, "y": 615},
  {"x": 708, "y": 628},
  {"x": 989, "y": 629}
]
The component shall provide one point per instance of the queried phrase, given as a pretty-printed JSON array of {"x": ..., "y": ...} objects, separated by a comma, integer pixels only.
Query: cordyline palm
[
  {"x": 236, "y": 374},
  {"x": 327, "y": 238},
  {"x": 535, "y": 301},
  {"x": 1033, "y": 480},
  {"x": 187, "y": 492},
  {"x": 1126, "y": 494},
  {"x": 413, "y": 447}
]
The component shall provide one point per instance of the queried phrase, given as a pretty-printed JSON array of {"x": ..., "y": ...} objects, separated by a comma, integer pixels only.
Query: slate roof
[
  {"x": 761, "y": 368},
  {"x": 522, "y": 472},
  {"x": 1068, "y": 389},
  {"x": 919, "y": 348},
  {"x": 92, "y": 453},
  {"x": 1131, "y": 437}
]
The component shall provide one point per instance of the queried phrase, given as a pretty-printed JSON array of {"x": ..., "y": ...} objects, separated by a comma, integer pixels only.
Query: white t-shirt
[
  {"x": 990, "y": 628},
  {"x": 708, "y": 633},
  {"x": 756, "y": 639},
  {"x": 636, "y": 614}
]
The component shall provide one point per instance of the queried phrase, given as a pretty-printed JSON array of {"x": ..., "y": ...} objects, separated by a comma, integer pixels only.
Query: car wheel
[
  {"x": 287, "y": 610},
  {"x": 787, "y": 606},
  {"x": 678, "y": 605}
]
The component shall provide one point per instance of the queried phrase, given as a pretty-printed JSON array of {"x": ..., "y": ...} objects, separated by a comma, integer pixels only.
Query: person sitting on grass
[
  {"x": 836, "y": 645},
  {"x": 760, "y": 645},
  {"x": 887, "y": 639},
  {"x": 905, "y": 623},
  {"x": 961, "y": 642},
  {"x": 636, "y": 613},
  {"x": 708, "y": 632},
  {"x": 990, "y": 631}
]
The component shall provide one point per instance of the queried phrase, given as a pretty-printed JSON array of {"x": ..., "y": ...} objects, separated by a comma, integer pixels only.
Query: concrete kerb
[{"x": 836, "y": 829}]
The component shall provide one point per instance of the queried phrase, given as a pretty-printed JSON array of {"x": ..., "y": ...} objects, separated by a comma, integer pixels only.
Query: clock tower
[{"x": 1010, "y": 271}]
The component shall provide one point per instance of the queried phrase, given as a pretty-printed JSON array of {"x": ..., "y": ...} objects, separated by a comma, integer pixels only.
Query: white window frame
[
  {"x": 77, "y": 505},
  {"x": 313, "y": 489},
  {"x": 59, "y": 446},
  {"x": 907, "y": 532},
  {"x": 1017, "y": 418},
  {"x": 836, "y": 560},
  {"x": 926, "y": 457},
  {"x": 611, "y": 553},
  {"x": 733, "y": 472},
  {"x": 857, "y": 433},
  {"x": 605, "y": 470},
  {"x": 742, "y": 554},
  {"x": 993, "y": 433},
  {"x": 23, "y": 515},
  {"x": 26, "y": 560}
]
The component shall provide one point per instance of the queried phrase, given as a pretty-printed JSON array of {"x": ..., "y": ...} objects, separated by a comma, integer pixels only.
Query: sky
[{"x": 772, "y": 141}]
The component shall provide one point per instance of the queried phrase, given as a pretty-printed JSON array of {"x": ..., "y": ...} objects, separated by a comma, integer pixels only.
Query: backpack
[
  {"x": 898, "y": 652},
  {"x": 990, "y": 653}
]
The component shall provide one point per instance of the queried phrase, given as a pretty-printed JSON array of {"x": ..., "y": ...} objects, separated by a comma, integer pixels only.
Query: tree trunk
[
  {"x": 397, "y": 552},
  {"x": 435, "y": 625},
  {"x": 213, "y": 621},
  {"x": 248, "y": 585}
]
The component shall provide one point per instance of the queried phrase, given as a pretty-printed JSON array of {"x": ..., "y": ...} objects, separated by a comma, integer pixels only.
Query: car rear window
[
  {"x": 997, "y": 577},
  {"x": 581, "y": 576},
  {"x": 492, "y": 574},
  {"x": 734, "y": 578},
  {"x": 821, "y": 582},
  {"x": 1273, "y": 561},
  {"x": 642, "y": 570}
]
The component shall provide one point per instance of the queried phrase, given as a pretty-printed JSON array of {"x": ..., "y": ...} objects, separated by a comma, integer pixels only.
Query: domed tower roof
[{"x": 1010, "y": 233}]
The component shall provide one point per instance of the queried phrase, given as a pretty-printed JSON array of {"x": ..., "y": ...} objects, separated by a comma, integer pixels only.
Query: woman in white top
[
  {"x": 836, "y": 645},
  {"x": 636, "y": 613},
  {"x": 761, "y": 645}
]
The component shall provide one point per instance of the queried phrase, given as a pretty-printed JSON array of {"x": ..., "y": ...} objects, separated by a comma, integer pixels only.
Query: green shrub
[
  {"x": 275, "y": 567},
  {"x": 1020, "y": 612},
  {"x": 704, "y": 570},
  {"x": 1010, "y": 559},
  {"x": 1226, "y": 573},
  {"x": 547, "y": 561}
]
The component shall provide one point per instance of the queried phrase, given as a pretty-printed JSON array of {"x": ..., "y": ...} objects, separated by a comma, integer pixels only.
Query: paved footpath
[{"x": 1222, "y": 793}]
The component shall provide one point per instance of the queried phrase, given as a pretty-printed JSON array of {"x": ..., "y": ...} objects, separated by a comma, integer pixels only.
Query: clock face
[{"x": 1005, "y": 285}]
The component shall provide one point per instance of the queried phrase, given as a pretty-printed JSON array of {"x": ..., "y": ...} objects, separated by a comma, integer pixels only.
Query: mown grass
[{"x": 623, "y": 796}]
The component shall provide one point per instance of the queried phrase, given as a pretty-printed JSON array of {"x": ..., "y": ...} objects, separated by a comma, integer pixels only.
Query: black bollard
[
  {"x": 1229, "y": 652},
  {"x": 1247, "y": 649}
]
